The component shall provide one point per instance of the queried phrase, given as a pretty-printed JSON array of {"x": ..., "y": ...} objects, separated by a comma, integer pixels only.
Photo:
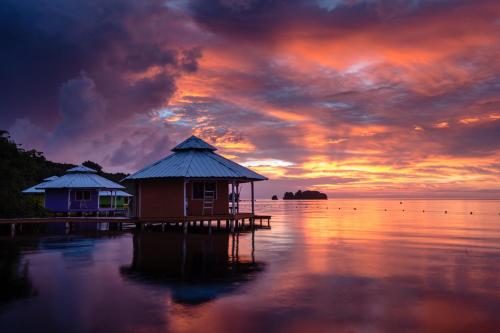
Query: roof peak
[
  {"x": 81, "y": 169},
  {"x": 193, "y": 143}
]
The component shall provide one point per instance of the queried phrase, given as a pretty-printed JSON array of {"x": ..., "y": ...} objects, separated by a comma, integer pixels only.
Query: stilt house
[
  {"x": 77, "y": 191},
  {"x": 192, "y": 181}
]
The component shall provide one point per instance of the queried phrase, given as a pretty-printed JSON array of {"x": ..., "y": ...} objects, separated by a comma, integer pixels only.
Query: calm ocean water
[{"x": 370, "y": 266}]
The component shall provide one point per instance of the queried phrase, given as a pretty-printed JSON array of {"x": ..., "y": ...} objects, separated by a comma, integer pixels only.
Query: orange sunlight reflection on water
[{"x": 384, "y": 266}]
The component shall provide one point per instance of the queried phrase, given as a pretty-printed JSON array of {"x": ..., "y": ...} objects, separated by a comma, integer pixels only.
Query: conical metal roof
[
  {"x": 34, "y": 189},
  {"x": 196, "y": 159},
  {"x": 80, "y": 177},
  {"x": 81, "y": 168},
  {"x": 193, "y": 142}
]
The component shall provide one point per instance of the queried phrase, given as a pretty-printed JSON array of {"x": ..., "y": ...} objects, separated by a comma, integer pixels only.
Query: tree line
[{"x": 20, "y": 169}]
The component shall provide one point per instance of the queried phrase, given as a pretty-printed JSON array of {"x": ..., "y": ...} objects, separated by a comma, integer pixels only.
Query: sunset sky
[{"x": 349, "y": 97}]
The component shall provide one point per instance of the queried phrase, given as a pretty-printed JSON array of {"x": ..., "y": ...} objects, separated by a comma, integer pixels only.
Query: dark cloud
[
  {"x": 261, "y": 18},
  {"x": 269, "y": 20},
  {"x": 470, "y": 140},
  {"x": 355, "y": 94},
  {"x": 79, "y": 105},
  {"x": 47, "y": 43},
  {"x": 142, "y": 147}
]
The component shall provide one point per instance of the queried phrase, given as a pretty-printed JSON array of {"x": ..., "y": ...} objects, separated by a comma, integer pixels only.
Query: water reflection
[
  {"x": 196, "y": 267},
  {"x": 15, "y": 283},
  {"x": 326, "y": 270}
]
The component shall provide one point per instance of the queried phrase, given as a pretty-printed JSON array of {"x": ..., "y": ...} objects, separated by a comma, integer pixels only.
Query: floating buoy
[
  {"x": 354, "y": 208},
  {"x": 385, "y": 209},
  {"x": 339, "y": 208},
  {"x": 470, "y": 213},
  {"x": 403, "y": 210},
  {"x": 423, "y": 211},
  {"x": 446, "y": 212},
  {"x": 401, "y": 202}
]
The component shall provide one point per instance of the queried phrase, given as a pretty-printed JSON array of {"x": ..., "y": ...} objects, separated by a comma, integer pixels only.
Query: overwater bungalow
[
  {"x": 108, "y": 200},
  {"x": 78, "y": 191},
  {"x": 192, "y": 181}
]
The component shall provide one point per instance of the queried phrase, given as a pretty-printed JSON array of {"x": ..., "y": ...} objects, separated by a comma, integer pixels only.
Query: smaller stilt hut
[
  {"x": 77, "y": 191},
  {"x": 192, "y": 181}
]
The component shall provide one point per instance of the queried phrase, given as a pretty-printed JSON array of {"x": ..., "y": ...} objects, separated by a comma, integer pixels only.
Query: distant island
[
  {"x": 274, "y": 197},
  {"x": 305, "y": 195}
]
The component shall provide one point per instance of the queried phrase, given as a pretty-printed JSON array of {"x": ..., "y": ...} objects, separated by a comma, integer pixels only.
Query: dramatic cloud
[
  {"x": 78, "y": 69},
  {"x": 350, "y": 97}
]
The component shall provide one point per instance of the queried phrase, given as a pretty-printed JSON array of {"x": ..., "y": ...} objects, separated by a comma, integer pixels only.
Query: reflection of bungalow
[
  {"x": 38, "y": 194},
  {"x": 15, "y": 276},
  {"x": 197, "y": 268},
  {"x": 192, "y": 181},
  {"x": 77, "y": 191}
]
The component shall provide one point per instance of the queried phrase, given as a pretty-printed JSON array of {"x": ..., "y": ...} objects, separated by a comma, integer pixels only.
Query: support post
[
  {"x": 238, "y": 247},
  {"x": 139, "y": 210},
  {"x": 69, "y": 200},
  {"x": 253, "y": 245},
  {"x": 184, "y": 252},
  {"x": 232, "y": 248},
  {"x": 233, "y": 199},
  {"x": 253, "y": 199},
  {"x": 184, "y": 197},
  {"x": 233, "y": 205}
]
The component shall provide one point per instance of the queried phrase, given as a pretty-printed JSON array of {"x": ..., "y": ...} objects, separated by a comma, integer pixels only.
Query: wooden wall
[
  {"x": 160, "y": 198},
  {"x": 164, "y": 198}
]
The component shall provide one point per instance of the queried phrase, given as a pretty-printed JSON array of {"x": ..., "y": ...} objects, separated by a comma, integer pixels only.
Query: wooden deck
[{"x": 226, "y": 223}]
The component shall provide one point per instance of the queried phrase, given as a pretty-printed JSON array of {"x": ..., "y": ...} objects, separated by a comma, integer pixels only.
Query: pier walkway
[{"x": 209, "y": 223}]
